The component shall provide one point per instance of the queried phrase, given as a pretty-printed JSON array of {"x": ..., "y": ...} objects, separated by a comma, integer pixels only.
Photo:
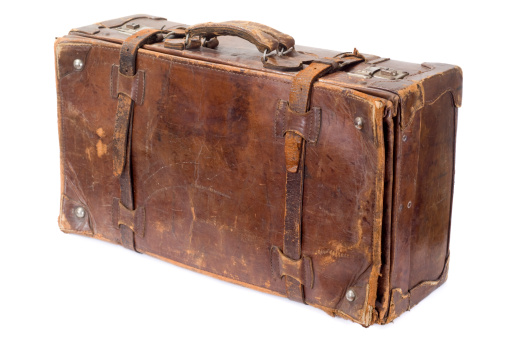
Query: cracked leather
[{"x": 210, "y": 172}]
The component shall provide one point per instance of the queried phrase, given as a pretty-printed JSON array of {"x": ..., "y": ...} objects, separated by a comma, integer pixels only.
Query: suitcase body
[{"x": 325, "y": 177}]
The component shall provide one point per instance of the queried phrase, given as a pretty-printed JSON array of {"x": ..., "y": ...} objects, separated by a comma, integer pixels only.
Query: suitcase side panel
[
  {"x": 425, "y": 146},
  {"x": 203, "y": 131},
  {"x": 433, "y": 202}
]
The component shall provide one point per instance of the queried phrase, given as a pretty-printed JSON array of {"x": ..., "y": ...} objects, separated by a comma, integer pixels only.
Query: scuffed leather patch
[{"x": 412, "y": 97}]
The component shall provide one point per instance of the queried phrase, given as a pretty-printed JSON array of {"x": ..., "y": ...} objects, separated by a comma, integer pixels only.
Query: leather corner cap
[
  {"x": 306, "y": 125},
  {"x": 450, "y": 80},
  {"x": 400, "y": 302},
  {"x": 67, "y": 53},
  {"x": 71, "y": 220},
  {"x": 301, "y": 270},
  {"x": 132, "y": 86}
]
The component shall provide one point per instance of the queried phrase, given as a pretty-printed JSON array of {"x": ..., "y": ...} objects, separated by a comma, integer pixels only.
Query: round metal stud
[
  {"x": 78, "y": 64},
  {"x": 404, "y": 138},
  {"x": 409, "y": 204},
  {"x": 80, "y": 212},
  {"x": 359, "y": 123},
  {"x": 350, "y": 295}
]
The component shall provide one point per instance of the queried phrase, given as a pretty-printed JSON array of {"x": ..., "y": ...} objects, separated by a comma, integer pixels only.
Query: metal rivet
[
  {"x": 80, "y": 212},
  {"x": 359, "y": 123},
  {"x": 350, "y": 295},
  {"x": 409, "y": 204},
  {"x": 404, "y": 138},
  {"x": 78, "y": 64}
]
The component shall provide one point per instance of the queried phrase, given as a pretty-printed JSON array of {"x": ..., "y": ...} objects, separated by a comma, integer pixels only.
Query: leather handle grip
[{"x": 263, "y": 37}]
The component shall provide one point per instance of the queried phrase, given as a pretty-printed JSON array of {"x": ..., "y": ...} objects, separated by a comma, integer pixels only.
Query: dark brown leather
[{"x": 368, "y": 210}]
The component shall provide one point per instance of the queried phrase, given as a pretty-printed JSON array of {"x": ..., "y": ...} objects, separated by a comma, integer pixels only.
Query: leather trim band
[
  {"x": 305, "y": 125},
  {"x": 132, "y": 219},
  {"x": 132, "y": 86},
  {"x": 301, "y": 270}
]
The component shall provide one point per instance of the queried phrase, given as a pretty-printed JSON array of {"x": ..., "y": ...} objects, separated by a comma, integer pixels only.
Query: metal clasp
[
  {"x": 380, "y": 72},
  {"x": 130, "y": 28}
]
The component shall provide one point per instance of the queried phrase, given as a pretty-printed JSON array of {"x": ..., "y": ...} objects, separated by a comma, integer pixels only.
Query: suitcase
[{"x": 321, "y": 176}]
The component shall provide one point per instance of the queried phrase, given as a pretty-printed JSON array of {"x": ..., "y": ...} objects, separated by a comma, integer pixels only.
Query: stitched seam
[
  {"x": 135, "y": 85},
  {"x": 311, "y": 125},
  {"x": 143, "y": 90},
  {"x": 449, "y": 89},
  {"x": 111, "y": 83},
  {"x": 316, "y": 129}
]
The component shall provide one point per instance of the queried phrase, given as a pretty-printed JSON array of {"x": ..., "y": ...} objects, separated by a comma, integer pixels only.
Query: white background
[{"x": 54, "y": 284}]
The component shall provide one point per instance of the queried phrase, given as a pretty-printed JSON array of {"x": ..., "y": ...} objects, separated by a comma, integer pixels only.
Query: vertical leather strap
[
  {"x": 122, "y": 137},
  {"x": 299, "y": 99},
  {"x": 294, "y": 148}
]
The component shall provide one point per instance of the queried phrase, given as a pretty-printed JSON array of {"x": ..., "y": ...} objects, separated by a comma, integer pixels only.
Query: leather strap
[
  {"x": 122, "y": 136},
  {"x": 294, "y": 148},
  {"x": 299, "y": 98}
]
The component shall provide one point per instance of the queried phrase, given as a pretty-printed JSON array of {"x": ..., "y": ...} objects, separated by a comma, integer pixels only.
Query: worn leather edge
[
  {"x": 401, "y": 302},
  {"x": 383, "y": 291},
  {"x": 123, "y": 20},
  {"x": 378, "y": 107},
  {"x": 456, "y": 87},
  {"x": 60, "y": 124},
  {"x": 413, "y": 96}
]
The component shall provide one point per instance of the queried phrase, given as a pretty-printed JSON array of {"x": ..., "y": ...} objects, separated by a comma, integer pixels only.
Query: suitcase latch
[
  {"x": 131, "y": 28},
  {"x": 379, "y": 72}
]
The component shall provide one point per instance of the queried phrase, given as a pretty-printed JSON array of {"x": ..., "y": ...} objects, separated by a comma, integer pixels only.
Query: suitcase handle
[{"x": 265, "y": 38}]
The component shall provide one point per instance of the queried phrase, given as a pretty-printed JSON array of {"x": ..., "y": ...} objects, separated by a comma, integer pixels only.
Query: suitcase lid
[{"x": 414, "y": 84}]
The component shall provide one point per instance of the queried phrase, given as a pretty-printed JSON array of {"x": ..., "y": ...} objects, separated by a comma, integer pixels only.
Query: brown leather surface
[{"x": 209, "y": 170}]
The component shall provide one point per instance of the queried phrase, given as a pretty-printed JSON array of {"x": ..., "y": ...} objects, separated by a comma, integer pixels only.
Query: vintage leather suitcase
[{"x": 322, "y": 176}]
